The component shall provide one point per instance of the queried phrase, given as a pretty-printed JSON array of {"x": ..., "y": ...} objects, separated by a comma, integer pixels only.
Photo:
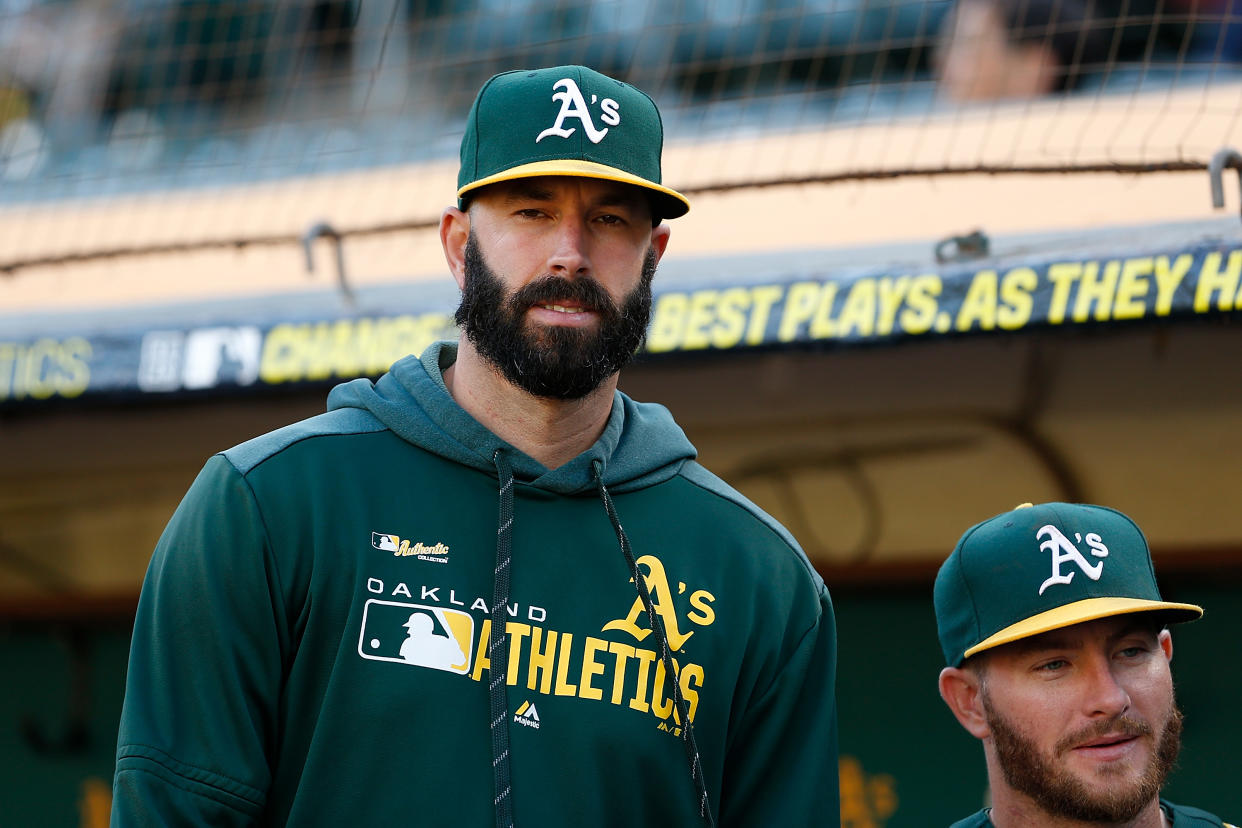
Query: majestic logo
[
  {"x": 527, "y": 715},
  {"x": 1063, "y": 551},
  {"x": 416, "y": 634},
  {"x": 662, "y": 600},
  {"x": 574, "y": 105},
  {"x": 403, "y": 548}
]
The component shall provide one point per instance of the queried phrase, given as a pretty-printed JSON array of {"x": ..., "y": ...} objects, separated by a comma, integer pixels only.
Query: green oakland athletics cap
[
  {"x": 1041, "y": 568},
  {"x": 566, "y": 120}
]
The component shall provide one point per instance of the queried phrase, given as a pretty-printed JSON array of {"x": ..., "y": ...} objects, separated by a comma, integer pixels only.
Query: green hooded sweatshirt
[{"x": 311, "y": 640}]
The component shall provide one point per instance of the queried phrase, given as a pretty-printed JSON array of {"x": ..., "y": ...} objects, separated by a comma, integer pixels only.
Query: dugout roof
[{"x": 960, "y": 286}]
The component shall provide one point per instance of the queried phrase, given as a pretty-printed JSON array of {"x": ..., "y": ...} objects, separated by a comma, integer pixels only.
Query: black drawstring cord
[
  {"x": 498, "y": 648},
  {"x": 640, "y": 583}
]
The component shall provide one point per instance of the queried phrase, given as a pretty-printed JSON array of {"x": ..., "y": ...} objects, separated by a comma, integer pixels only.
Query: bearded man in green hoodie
[{"x": 489, "y": 589}]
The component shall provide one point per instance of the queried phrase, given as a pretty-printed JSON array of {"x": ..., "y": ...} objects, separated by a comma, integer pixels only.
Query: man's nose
[
  {"x": 569, "y": 256},
  {"x": 1106, "y": 695}
]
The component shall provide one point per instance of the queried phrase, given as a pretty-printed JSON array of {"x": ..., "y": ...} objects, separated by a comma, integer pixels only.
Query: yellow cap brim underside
[
  {"x": 1086, "y": 610},
  {"x": 582, "y": 169}
]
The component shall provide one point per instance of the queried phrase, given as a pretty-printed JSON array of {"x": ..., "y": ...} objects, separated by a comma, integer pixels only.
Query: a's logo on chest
[{"x": 662, "y": 599}]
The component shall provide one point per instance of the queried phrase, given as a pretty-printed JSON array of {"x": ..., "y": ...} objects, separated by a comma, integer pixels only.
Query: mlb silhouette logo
[
  {"x": 417, "y": 635},
  {"x": 385, "y": 543},
  {"x": 222, "y": 356}
]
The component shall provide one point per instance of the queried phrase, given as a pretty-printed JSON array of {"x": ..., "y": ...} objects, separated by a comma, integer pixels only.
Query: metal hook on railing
[
  {"x": 974, "y": 245},
  {"x": 1224, "y": 157},
  {"x": 324, "y": 230}
]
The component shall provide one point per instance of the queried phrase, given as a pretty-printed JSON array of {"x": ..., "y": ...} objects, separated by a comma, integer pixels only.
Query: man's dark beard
[
  {"x": 558, "y": 362},
  {"x": 1061, "y": 793}
]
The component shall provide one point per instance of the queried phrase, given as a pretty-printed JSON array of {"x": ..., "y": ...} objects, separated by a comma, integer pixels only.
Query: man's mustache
[
  {"x": 583, "y": 291},
  {"x": 1120, "y": 726}
]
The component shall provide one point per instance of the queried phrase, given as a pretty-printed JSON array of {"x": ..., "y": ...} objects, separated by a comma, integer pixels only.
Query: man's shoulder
[
  {"x": 695, "y": 473},
  {"x": 1185, "y": 816},
  {"x": 976, "y": 820},
  {"x": 715, "y": 487},
  {"x": 345, "y": 421}
]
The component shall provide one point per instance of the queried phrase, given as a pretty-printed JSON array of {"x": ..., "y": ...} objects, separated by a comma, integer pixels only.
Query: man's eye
[
  {"x": 1053, "y": 665},
  {"x": 609, "y": 218}
]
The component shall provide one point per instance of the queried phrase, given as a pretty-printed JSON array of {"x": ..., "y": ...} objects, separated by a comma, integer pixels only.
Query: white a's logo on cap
[
  {"x": 1064, "y": 552},
  {"x": 574, "y": 105}
]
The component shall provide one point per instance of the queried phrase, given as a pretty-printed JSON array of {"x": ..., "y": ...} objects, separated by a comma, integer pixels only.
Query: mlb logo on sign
[{"x": 416, "y": 635}]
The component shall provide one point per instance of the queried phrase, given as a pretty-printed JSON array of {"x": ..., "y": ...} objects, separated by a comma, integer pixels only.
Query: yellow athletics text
[
  {"x": 557, "y": 663},
  {"x": 44, "y": 368}
]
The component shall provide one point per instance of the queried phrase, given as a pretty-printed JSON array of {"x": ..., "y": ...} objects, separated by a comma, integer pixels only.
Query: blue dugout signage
[{"x": 791, "y": 310}]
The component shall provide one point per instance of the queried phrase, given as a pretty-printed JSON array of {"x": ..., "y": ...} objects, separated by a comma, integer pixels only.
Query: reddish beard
[{"x": 1061, "y": 793}]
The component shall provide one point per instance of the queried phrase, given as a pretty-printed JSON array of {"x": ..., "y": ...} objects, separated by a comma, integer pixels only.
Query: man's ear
[
  {"x": 962, "y": 692},
  {"x": 659, "y": 239},
  {"x": 454, "y": 232},
  {"x": 1165, "y": 639}
]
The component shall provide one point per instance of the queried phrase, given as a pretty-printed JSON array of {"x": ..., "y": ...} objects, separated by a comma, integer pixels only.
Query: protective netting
[{"x": 108, "y": 96}]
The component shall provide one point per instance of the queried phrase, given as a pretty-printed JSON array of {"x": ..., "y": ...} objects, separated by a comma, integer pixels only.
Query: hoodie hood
[{"x": 413, "y": 401}]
